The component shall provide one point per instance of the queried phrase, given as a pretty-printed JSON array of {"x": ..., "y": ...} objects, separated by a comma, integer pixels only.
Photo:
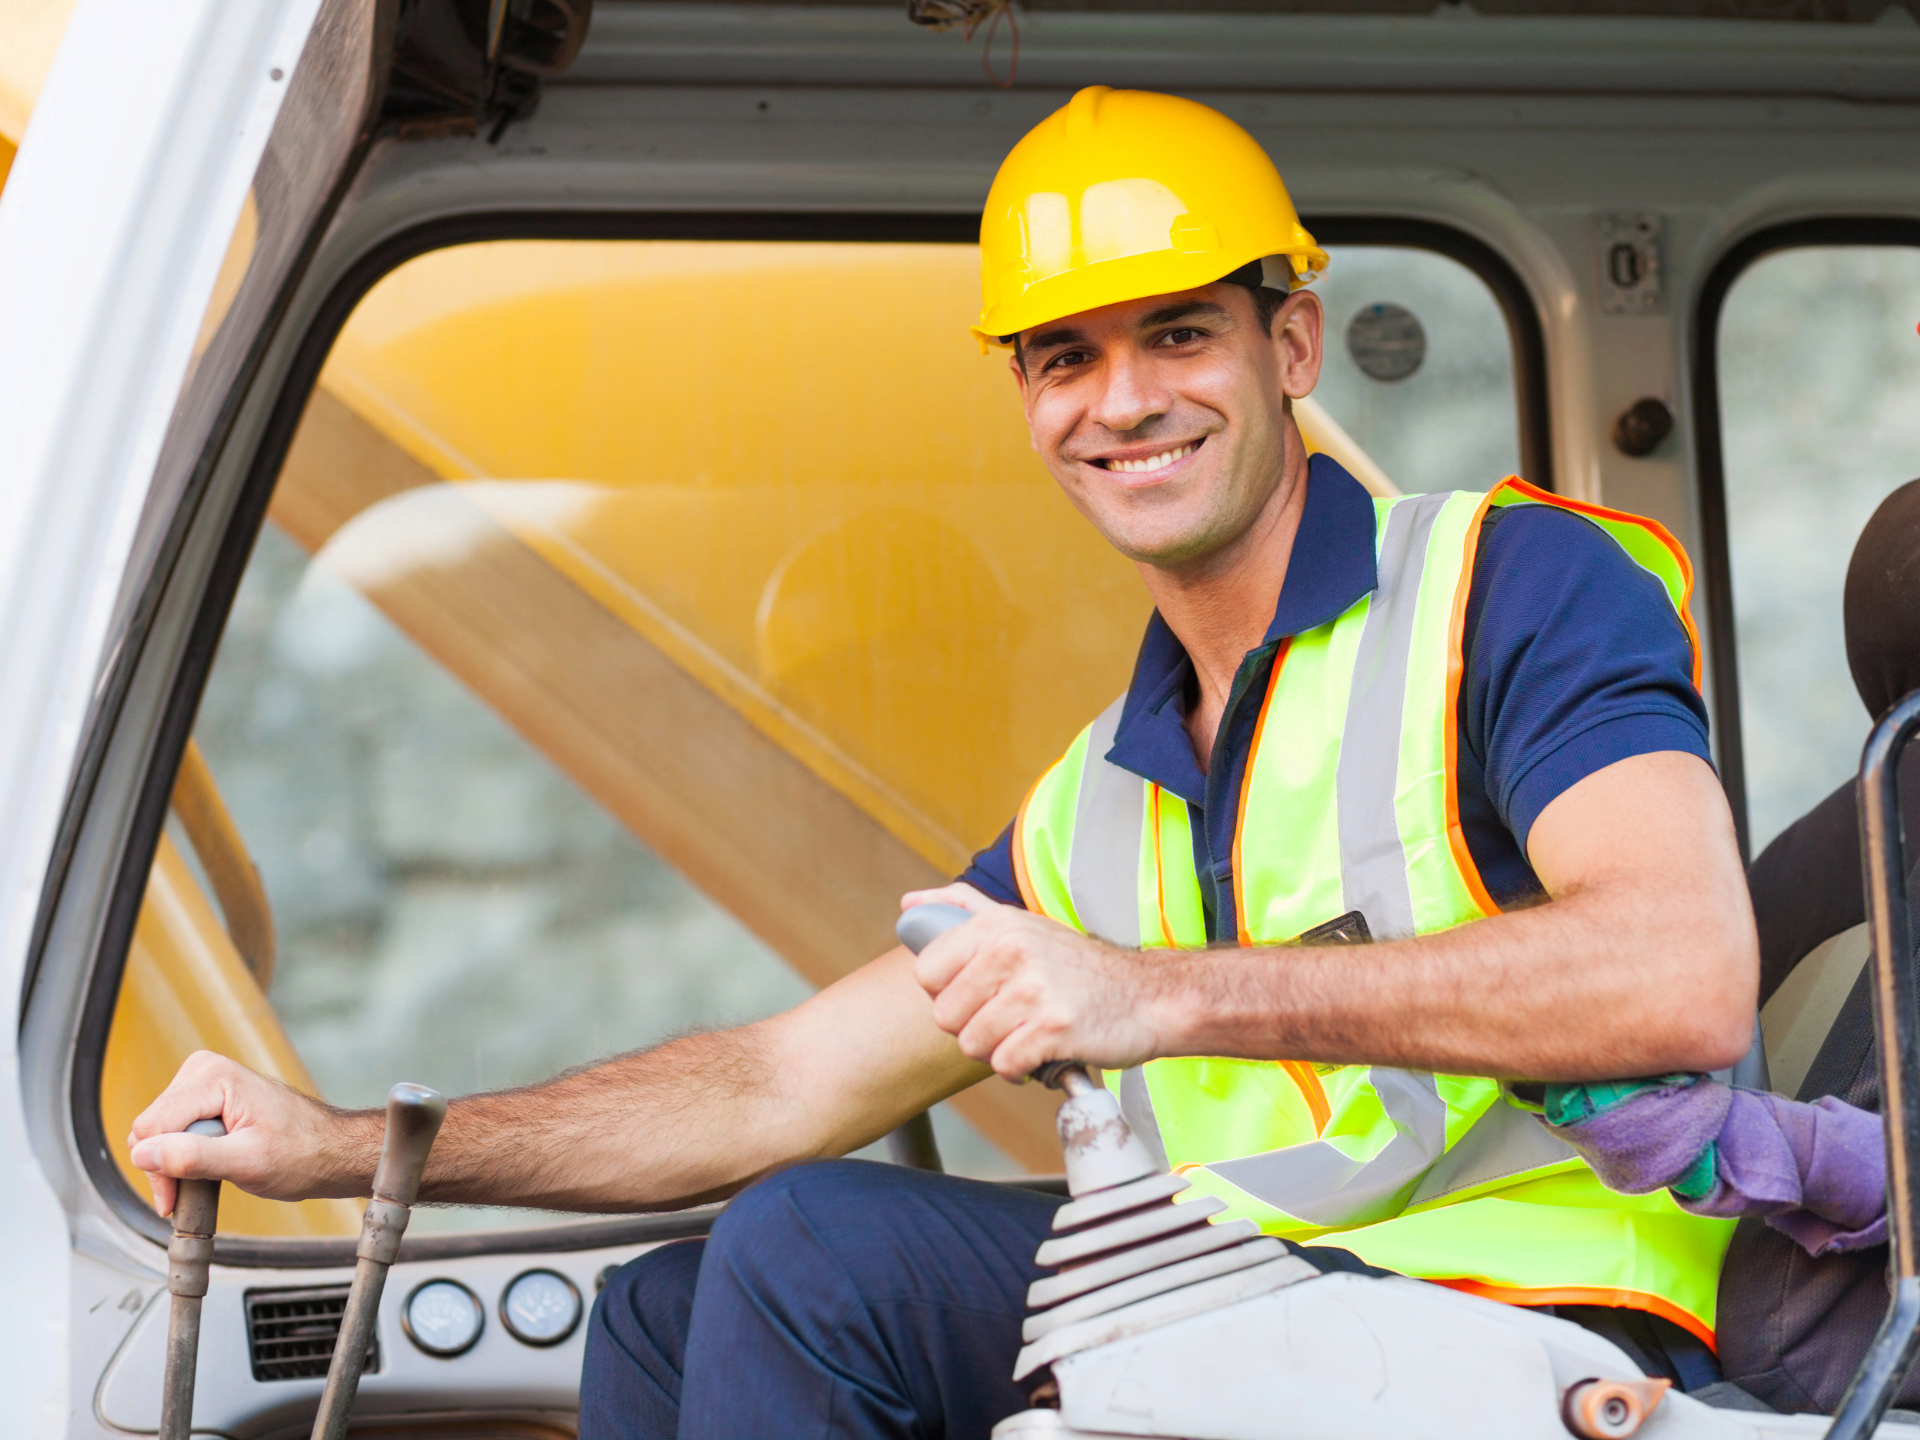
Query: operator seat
[{"x": 1792, "y": 1328}]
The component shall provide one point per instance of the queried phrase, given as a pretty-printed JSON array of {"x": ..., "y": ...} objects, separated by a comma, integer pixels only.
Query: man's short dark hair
[{"x": 1267, "y": 303}]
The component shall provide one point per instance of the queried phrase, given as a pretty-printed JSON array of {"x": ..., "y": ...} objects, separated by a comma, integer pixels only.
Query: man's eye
[
  {"x": 1182, "y": 336},
  {"x": 1066, "y": 358}
]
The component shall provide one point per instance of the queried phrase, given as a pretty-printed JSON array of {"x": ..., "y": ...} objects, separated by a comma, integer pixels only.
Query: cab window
[
  {"x": 1818, "y": 365},
  {"x": 631, "y": 623},
  {"x": 1419, "y": 367}
]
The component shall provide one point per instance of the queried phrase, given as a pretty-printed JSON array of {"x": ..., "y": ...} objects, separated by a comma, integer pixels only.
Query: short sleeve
[
  {"x": 991, "y": 872},
  {"x": 1576, "y": 660}
]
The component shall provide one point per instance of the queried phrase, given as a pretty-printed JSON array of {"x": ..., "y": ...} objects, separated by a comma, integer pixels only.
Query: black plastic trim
[
  {"x": 1702, "y": 343},
  {"x": 249, "y": 512}
]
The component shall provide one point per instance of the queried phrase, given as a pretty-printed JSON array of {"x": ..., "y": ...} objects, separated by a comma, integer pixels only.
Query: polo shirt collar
[{"x": 1331, "y": 566}]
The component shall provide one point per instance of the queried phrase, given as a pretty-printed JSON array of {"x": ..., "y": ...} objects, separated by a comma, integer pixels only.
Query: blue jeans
[{"x": 841, "y": 1298}]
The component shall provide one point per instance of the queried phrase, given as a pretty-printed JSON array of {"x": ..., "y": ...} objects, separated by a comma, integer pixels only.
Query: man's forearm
[
  {"x": 693, "y": 1120},
  {"x": 689, "y": 1121},
  {"x": 1568, "y": 990}
]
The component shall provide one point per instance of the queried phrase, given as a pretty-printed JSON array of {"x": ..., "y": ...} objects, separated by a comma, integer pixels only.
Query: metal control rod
[
  {"x": 1896, "y": 1031},
  {"x": 414, "y": 1114},
  {"x": 196, "y": 1207}
]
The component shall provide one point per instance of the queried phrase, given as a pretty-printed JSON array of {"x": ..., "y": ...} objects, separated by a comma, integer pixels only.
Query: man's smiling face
[{"x": 1165, "y": 419}]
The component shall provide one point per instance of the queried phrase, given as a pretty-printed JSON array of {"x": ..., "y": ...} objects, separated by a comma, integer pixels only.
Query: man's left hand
[{"x": 1017, "y": 989}]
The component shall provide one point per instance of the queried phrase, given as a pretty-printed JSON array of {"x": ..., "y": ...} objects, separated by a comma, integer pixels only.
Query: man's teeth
[{"x": 1153, "y": 462}]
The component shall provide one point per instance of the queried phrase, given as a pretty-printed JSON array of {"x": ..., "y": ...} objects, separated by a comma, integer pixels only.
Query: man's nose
[{"x": 1132, "y": 395}]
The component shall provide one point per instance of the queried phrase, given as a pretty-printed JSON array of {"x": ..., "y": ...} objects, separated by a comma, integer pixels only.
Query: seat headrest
[{"x": 1881, "y": 607}]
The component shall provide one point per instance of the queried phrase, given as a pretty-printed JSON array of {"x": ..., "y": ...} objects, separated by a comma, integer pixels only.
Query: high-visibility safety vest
[{"x": 1349, "y": 803}]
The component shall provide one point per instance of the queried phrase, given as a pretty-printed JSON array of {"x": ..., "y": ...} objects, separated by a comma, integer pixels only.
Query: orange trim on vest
[
  {"x": 1654, "y": 527},
  {"x": 1246, "y": 788},
  {"x": 1307, "y": 1081},
  {"x": 1159, "y": 870},
  {"x": 1020, "y": 875},
  {"x": 1450, "y": 726},
  {"x": 1588, "y": 1295}
]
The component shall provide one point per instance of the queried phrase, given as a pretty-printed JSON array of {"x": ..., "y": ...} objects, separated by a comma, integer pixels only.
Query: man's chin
[{"x": 1168, "y": 548}]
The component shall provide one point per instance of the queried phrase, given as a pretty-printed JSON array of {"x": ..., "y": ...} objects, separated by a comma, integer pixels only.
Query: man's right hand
[{"x": 279, "y": 1144}]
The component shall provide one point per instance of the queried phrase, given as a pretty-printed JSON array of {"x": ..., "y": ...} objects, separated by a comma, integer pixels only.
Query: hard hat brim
[{"x": 1117, "y": 282}]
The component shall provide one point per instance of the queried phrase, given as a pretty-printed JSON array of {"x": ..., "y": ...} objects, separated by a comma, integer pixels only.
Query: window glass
[
  {"x": 1419, "y": 367},
  {"x": 1819, "y": 367},
  {"x": 632, "y": 623}
]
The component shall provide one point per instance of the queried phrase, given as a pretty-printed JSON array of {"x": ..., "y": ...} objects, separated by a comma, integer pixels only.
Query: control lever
[
  {"x": 414, "y": 1114},
  {"x": 196, "y": 1205},
  {"x": 922, "y": 925},
  {"x": 1120, "y": 1243}
]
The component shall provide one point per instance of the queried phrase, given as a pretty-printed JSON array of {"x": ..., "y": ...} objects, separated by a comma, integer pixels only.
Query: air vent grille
[{"x": 291, "y": 1333}]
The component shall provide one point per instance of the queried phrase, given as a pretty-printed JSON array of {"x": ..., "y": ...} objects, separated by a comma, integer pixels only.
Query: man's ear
[{"x": 1298, "y": 330}]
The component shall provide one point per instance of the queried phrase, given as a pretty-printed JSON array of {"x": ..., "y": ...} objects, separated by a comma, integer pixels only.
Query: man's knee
[
  {"x": 647, "y": 1302},
  {"x": 845, "y": 1215},
  {"x": 786, "y": 1196},
  {"x": 637, "y": 1346}
]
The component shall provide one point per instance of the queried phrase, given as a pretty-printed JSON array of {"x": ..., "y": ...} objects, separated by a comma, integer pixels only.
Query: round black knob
[{"x": 1642, "y": 426}]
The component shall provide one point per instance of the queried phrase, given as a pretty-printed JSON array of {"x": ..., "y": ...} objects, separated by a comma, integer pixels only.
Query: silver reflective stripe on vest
[
  {"x": 1318, "y": 1183},
  {"x": 1504, "y": 1142},
  {"x": 1103, "y": 872},
  {"x": 1373, "y": 863}
]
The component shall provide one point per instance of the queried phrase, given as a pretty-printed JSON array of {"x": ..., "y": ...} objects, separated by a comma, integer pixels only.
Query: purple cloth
[
  {"x": 1816, "y": 1172},
  {"x": 1648, "y": 1142}
]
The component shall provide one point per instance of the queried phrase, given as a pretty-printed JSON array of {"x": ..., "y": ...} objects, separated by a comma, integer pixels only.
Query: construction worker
[{"x": 1351, "y": 720}]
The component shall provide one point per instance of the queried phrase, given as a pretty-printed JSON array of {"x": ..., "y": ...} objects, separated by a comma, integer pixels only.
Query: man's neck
[{"x": 1220, "y": 607}]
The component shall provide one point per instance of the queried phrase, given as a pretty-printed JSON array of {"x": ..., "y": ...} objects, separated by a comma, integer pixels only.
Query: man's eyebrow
[
  {"x": 1184, "y": 310},
  {"x": 1062, "y": 335}
]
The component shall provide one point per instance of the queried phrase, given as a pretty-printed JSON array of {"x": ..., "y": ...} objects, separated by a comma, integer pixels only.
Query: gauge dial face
[
  {"x": 443, "y": 1318},
  {"x": 540, "y": 1307}
]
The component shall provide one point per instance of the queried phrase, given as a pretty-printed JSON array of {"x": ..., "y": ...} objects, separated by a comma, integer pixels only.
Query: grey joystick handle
[
  {"x": 920, "y": 926},
  {"x": 414, "y": 1114},
  {"x": 924, "y": 924},
  {"x": 197, "y": 1202}
]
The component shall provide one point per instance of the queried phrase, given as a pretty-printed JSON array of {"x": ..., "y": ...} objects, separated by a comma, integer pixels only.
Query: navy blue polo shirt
[{"x": 1573, "y": 659}]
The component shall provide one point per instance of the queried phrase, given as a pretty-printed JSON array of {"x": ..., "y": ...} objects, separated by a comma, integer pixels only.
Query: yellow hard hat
[{"x": 1123, "y": 194}]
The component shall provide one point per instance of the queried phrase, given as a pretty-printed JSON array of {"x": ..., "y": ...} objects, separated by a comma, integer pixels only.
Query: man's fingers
[
  {"x": 945, "y": 958},
  {"x": 198, "y": 1092},
  {"x": 965, "y": 896},
  {"x": 1024, "y": 1050},
  {"x": 1004, "y": 1033},
  {"x": 164, "y": 1189},
  {"x": 182, "y": 1156}
]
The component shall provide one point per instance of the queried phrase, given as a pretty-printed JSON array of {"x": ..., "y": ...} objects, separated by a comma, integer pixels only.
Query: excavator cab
[{"x": 513, "y": 553}]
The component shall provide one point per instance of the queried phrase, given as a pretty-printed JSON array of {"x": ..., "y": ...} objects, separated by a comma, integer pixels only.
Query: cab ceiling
[{"x": 1560, "y": 48}]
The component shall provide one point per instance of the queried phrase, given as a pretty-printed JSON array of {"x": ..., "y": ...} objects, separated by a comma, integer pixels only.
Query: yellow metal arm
[{"x": 229, "y": 869}]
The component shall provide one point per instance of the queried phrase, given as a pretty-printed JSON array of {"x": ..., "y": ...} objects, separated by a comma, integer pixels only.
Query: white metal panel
[
  {"x": 163, "y": 107},
  {"x": 499, "y": 1375}
]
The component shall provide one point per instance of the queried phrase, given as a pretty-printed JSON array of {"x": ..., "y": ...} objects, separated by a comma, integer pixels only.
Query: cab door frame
[{"x": 112, "y": 381}]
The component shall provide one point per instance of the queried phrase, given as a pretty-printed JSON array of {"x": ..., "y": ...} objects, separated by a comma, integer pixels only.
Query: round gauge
[
  {"x": 443, "y": 1317},
  {"x": 540, "y": 1307}
]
